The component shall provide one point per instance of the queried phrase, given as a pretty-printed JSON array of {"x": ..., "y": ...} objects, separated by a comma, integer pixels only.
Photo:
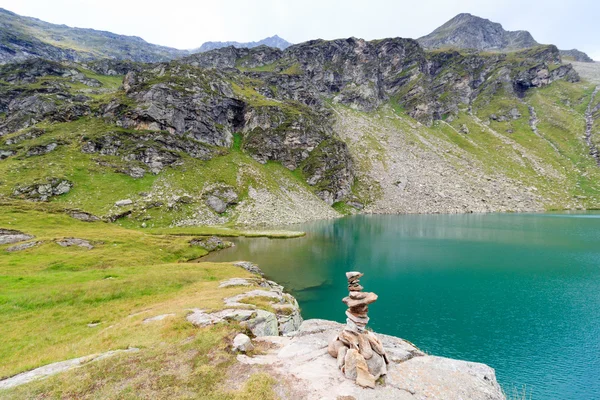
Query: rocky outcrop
[
  {"x": 303, "y": 364},
  {"x": 9, "y": 236},
  {"x": 182, "y": 100},
  {"x": 25, "y": 104},
  {"x": 592, "y": 109},
  {"x": 22, "y": 246},
  {"x": 283, "y": 318},
  {"x": 31, "y": 71},
  {"x": 83, "y": 216},
  {"x": 220, "y": 198},
  {"x": 576, "y": 55},
  {"x": 43, "y": 191},
  {"x": 156, "y": 150},
  {"x": 69, "y": 242},
  {"x": 55, "y": 368},
  {"x": 273, "y": 41},
  {"x": 467, "y": 31},
  {"x": 24, "y": 38},
  {"x": 212, "y": 243}
]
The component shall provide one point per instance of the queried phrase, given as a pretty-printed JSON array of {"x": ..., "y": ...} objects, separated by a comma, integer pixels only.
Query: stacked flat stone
[{"x": 359, "y": 352}]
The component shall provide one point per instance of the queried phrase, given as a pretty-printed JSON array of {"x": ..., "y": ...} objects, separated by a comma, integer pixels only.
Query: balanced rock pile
[{"x": 359, "y": 352}]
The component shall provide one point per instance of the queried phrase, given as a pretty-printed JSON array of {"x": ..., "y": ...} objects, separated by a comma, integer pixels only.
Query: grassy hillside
[{"x": 49, "y": 294}]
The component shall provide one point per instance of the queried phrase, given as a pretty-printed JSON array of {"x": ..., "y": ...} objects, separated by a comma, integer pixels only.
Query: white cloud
[{"x": 187, "y": 24}]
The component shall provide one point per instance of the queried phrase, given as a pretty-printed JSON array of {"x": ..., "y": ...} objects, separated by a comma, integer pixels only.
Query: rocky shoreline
[{"x": 297, "y": 353}]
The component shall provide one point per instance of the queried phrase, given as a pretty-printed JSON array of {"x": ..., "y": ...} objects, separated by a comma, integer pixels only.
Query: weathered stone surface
[
  {"x": 123, "y": 203},
  {"x": 250, "y": 267},
  {"x": 263, "y": 324},
  {"x": 285, "y": 320},
  {"x": 43, "y": 191},
  {"x": 259, "y": 322},
  {"x": 211, "y": 243},
  {"x": 220, "y": 198},
  {"x": 55, "y": 368},
  {"x": 242, "y": 343},
  {"x": 236, "y": 282},
  {"x": 8, "y": 236},
  {"x": 83, "y": 216},
  {"x": 303, "y": 362},
  {"x": 22, "y": 246},
  {"x": 68, "y": 242}
]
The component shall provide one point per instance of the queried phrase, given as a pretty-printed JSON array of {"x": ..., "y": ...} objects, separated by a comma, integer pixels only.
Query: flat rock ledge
[
  {"x": 9, "y": 236},
  {"x": 283, "y": 318},
  {"x": 58, "y": 367},
  {"x": 303, "y": 363}
]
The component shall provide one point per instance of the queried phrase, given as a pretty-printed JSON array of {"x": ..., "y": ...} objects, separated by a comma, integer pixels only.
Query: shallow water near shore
[{"x": 519, "y": 292}]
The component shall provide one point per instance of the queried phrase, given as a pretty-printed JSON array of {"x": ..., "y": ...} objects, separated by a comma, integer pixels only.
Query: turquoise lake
[{"x": 519, "y": 292}]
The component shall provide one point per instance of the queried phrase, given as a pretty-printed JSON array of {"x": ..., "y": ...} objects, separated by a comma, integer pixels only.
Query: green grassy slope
[{"x": 49, "y": 294}]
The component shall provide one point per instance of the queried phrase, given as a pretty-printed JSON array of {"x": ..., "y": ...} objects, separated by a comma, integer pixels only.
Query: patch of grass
[
  {"x": 258, "y": 386},
  {"x": 262, "y": 302},
  {"x": 49, "y": 293}
]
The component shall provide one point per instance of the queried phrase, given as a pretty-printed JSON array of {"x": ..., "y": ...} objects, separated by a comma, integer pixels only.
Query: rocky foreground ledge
[
  {"x": 296, "y": 353},
  {"x": 303, "y": 362}
]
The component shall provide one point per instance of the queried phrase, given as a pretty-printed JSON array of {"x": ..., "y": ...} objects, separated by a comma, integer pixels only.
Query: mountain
[
  {"x": 262, "y": 135},
  {"x": 273, "y": 41},
  {"x": 576, "y": 55},
  {"x": 24, "y": 37},
  {"x": 466, "y": 31},
  {"x": 268, "y": 136}
]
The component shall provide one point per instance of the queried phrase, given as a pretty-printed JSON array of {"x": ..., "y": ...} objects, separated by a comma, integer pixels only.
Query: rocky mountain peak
[
  {"x": 273, "y": 41},
  {"x": 473, "y": 32}
]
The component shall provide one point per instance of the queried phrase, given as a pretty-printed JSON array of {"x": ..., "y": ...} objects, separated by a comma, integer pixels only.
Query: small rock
[
  {"x": 22, "y": 246},
  {"x": 83, "y": 216},
  {"x": 242, "y": 343},
  {"x": 122, "y": 203},
  {"x": 68, "y": 242},
  {"x": 250, "y": 267},
  {"x": 43, "y": 191}
]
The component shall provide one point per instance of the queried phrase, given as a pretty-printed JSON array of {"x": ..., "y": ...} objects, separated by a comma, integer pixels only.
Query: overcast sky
[{"x": 187, "y": 24}]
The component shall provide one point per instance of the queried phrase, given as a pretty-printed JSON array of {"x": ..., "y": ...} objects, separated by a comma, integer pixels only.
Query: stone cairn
[{"x": 360, "y": 354}]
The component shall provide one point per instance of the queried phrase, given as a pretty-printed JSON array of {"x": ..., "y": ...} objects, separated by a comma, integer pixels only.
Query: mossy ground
[{"x": 49, "y": 294}]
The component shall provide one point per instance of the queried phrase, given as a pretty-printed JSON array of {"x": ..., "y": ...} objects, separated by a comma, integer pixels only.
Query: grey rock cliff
[{"x": 467, "y": 31}]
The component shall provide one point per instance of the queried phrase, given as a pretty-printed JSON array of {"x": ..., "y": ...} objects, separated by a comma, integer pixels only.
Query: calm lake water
[{"x": 519, "y": 292}]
